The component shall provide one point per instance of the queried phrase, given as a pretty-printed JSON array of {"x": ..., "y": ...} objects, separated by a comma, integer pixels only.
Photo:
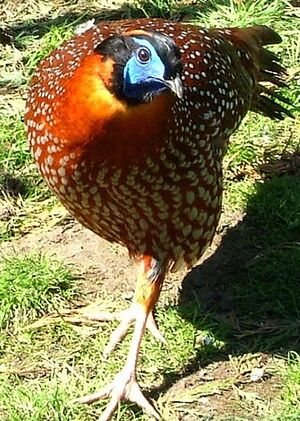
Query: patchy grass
[
  {"x": 291, "y": 396},
  {"x": 14, "y": 151},
  {"x": 34, "y": 53},
  {"x": 265, "y": 289},
  {"x": 237, "y": 312},
  {"x": 56, "y": 355},
  {"x": 31, "y": 286}
]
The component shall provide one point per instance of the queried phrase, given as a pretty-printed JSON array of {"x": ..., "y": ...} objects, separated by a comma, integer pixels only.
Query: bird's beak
[{"x": 175, "y": 85}]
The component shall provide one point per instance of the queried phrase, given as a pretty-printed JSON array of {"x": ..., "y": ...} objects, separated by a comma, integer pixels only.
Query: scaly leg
[
  {"x": 125, "y": 386},
  {"x": 126, "y": 318}
]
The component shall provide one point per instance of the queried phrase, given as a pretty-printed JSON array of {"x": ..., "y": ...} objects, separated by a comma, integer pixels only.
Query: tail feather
[
  {"x": 265, "y": 69},
  {"x": 274, "y": 78},
  {"x": 270, "y": 108},
  {"x": 268, "y": 91},
  {"x": 268, "y": 62}
]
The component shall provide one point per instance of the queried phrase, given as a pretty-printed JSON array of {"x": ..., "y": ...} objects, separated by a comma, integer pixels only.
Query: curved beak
[{"x": 175, "y": 85}]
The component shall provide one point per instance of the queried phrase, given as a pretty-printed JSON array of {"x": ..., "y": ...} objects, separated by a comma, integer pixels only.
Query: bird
[{"x": 128, "y": 122}]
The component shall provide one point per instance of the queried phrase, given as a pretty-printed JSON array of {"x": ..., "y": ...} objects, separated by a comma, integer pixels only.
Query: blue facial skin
[{"x": 143, "y": 78}]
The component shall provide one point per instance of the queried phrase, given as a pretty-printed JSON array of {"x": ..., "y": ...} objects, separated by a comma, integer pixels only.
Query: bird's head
[{"x": 146, "y": 64}]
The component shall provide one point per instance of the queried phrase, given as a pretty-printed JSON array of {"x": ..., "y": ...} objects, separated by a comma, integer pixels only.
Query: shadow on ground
[{"x": 249, "y": 288}]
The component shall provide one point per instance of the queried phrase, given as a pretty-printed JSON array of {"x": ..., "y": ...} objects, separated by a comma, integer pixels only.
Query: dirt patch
[
  {"x": 100, "y": 264},
  {"x": 103, "y": 267},
  {"x": 222, "y": 389}
]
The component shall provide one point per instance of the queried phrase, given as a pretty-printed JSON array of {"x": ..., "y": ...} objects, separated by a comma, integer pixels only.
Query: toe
[
  {"x": 135, "y": 395},
  {"x": 153, "y": 329},
  {"x": 94, "y": 397}
]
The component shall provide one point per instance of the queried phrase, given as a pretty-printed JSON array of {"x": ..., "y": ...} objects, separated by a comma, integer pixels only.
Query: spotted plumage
[{"x": 135, "y": 152}]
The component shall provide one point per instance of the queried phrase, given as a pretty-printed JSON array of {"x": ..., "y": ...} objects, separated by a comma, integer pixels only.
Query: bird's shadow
[{"x": 247, "y": 291}]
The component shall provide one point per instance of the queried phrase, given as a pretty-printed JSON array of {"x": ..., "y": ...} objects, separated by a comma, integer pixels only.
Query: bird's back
[{"x": 147, "y": 176}]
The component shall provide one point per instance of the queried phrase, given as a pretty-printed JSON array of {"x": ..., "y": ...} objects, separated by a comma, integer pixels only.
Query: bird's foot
[
  {"x": 126, "y": 318},
  {"x": 123, "y": 387}
]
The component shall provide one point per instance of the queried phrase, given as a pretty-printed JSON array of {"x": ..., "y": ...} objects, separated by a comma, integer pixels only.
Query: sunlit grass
[
  {"x": 290, "y": 372},
  {"x": 37, "y": 49},
  {"x": 31, "y": 286},
  {"x": 59, "y": 362}
]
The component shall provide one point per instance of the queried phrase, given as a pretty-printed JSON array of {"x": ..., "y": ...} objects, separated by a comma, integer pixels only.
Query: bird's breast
[{"x": 167, "y": 203}]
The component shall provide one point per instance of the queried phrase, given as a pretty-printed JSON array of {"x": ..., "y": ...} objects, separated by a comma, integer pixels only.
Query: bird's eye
[{"x": 143, "y": 55}]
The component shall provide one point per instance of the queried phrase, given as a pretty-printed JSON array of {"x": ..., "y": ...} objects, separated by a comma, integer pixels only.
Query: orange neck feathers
[{"x": 90, "y": 113}]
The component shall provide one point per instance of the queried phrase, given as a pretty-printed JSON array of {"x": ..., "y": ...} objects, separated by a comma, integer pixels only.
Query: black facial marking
[
  {"x": 168, "y": 52},
  {"x": 121, "y": 49}
]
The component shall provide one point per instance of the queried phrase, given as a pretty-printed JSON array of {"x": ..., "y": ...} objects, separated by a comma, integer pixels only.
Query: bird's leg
[
  {"x": 127, "y": 318},
  {"x": 125, "y": 386}
]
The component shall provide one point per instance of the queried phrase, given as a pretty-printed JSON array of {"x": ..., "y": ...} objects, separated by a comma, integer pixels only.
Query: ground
[
  {"x": 217, "y": 387},
  {"x": 231, "y": 323}
]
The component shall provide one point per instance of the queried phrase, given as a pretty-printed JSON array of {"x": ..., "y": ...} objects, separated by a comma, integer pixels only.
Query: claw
[{"x": 120, "y": 388}]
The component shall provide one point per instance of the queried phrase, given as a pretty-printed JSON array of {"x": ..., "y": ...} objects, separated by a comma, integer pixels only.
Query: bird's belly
[{"x": 163, "y": 209}]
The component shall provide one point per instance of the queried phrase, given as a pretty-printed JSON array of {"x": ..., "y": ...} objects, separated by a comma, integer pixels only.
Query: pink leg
[
  {"x": 126, "y": 318},
  {"x": 125, "y": 386}
]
